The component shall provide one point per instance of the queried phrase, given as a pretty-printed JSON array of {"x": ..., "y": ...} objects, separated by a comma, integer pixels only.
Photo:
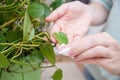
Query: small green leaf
[
  {"x": 4, "y": 63},
  {"x": 28, "y": 29},
  {"x": 48, "y": 52},
  {"x": 61, "y": 37},
  {"x": 57, "y": 75}
]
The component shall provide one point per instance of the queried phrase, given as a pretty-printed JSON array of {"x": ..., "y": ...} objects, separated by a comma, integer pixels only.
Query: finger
[
  {"x": 56, "y": 14},
  {"x": 96, "y": 61},
  {"x": 101, "y": 62},
  {"x": 96, "y": 52},
  {"x": 89, "y": 42},
  {"x": 90, "y": 61}
]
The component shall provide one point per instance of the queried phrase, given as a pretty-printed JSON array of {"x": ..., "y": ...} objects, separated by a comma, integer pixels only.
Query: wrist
[{"x": 98, "y": 13}]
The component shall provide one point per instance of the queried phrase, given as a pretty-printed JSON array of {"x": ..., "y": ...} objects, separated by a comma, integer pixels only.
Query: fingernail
[
  {"x": 76, "y": 58},
  {"x": 47, "y": 18}
]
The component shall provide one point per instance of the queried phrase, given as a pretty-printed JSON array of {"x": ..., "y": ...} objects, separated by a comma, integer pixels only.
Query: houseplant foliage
[{"x": 24, "y": 40}]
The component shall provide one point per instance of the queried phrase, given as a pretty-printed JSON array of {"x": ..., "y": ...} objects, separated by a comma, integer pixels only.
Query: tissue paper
[{"x": 63, "y": 49}]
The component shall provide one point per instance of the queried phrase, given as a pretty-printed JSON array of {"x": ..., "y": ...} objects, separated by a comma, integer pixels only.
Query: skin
[
  {"x": 74, "y": 19},
  {"x": 99, "y": 49},
  {"x": 65, "y": 21}
]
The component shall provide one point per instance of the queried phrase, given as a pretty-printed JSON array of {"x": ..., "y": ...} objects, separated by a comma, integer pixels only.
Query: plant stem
[
  {"x": 18, "y": 54},
  {"x": 1, "y": 7},
  {"x": 13, "y": 46},
  {"x": 7, "y": 50},
  {"x": 13, "y": 8},
  {"x": 46, "y": 66},
  {"x": 18, "y": 44},
  {"x": 39, "y": 38},
  {"x": 7, "y": 23}
]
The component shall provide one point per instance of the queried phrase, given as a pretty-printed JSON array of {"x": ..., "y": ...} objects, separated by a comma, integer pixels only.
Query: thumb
[{"x": 58, "y": 13}]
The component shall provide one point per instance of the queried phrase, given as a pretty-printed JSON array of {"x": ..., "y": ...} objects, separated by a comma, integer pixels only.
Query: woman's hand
[
  {"x": 100, "y": 49},
  {"x": 71, "y": 18}
]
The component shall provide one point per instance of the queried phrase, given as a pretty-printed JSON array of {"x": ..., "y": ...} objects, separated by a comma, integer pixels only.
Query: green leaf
[
  {"x": 57, "y": 75},
  {"x": 28, "y": 29},
  {"x": 4, "y": 30},
  {"x": 2, "y": 40},
  {"x": 56, "y": 4},
  {"x": 48, "y": 52},
  {"x": 36, "y": 10},
  {"x": 36, "y": 1},
  {"x": 47, "y": 11},
  {"x": 37, "y": 53},
  {"x": 9, "y": 1},
  {"x": 13, "y": 35},
  {"x": 35, "y": 56},
  {"x": 61, "y": 37},
  {"x": 4, "y": 63}
]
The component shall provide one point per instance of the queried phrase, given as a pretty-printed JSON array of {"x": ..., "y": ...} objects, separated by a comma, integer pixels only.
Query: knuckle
[
  {"x": 114, "y": 43},
  {"x": 110, "y": 40},
  {"x": 98, "y": 49},
  {"x": 107, "y": 36},
  {"x": 92, "y": 42}
]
